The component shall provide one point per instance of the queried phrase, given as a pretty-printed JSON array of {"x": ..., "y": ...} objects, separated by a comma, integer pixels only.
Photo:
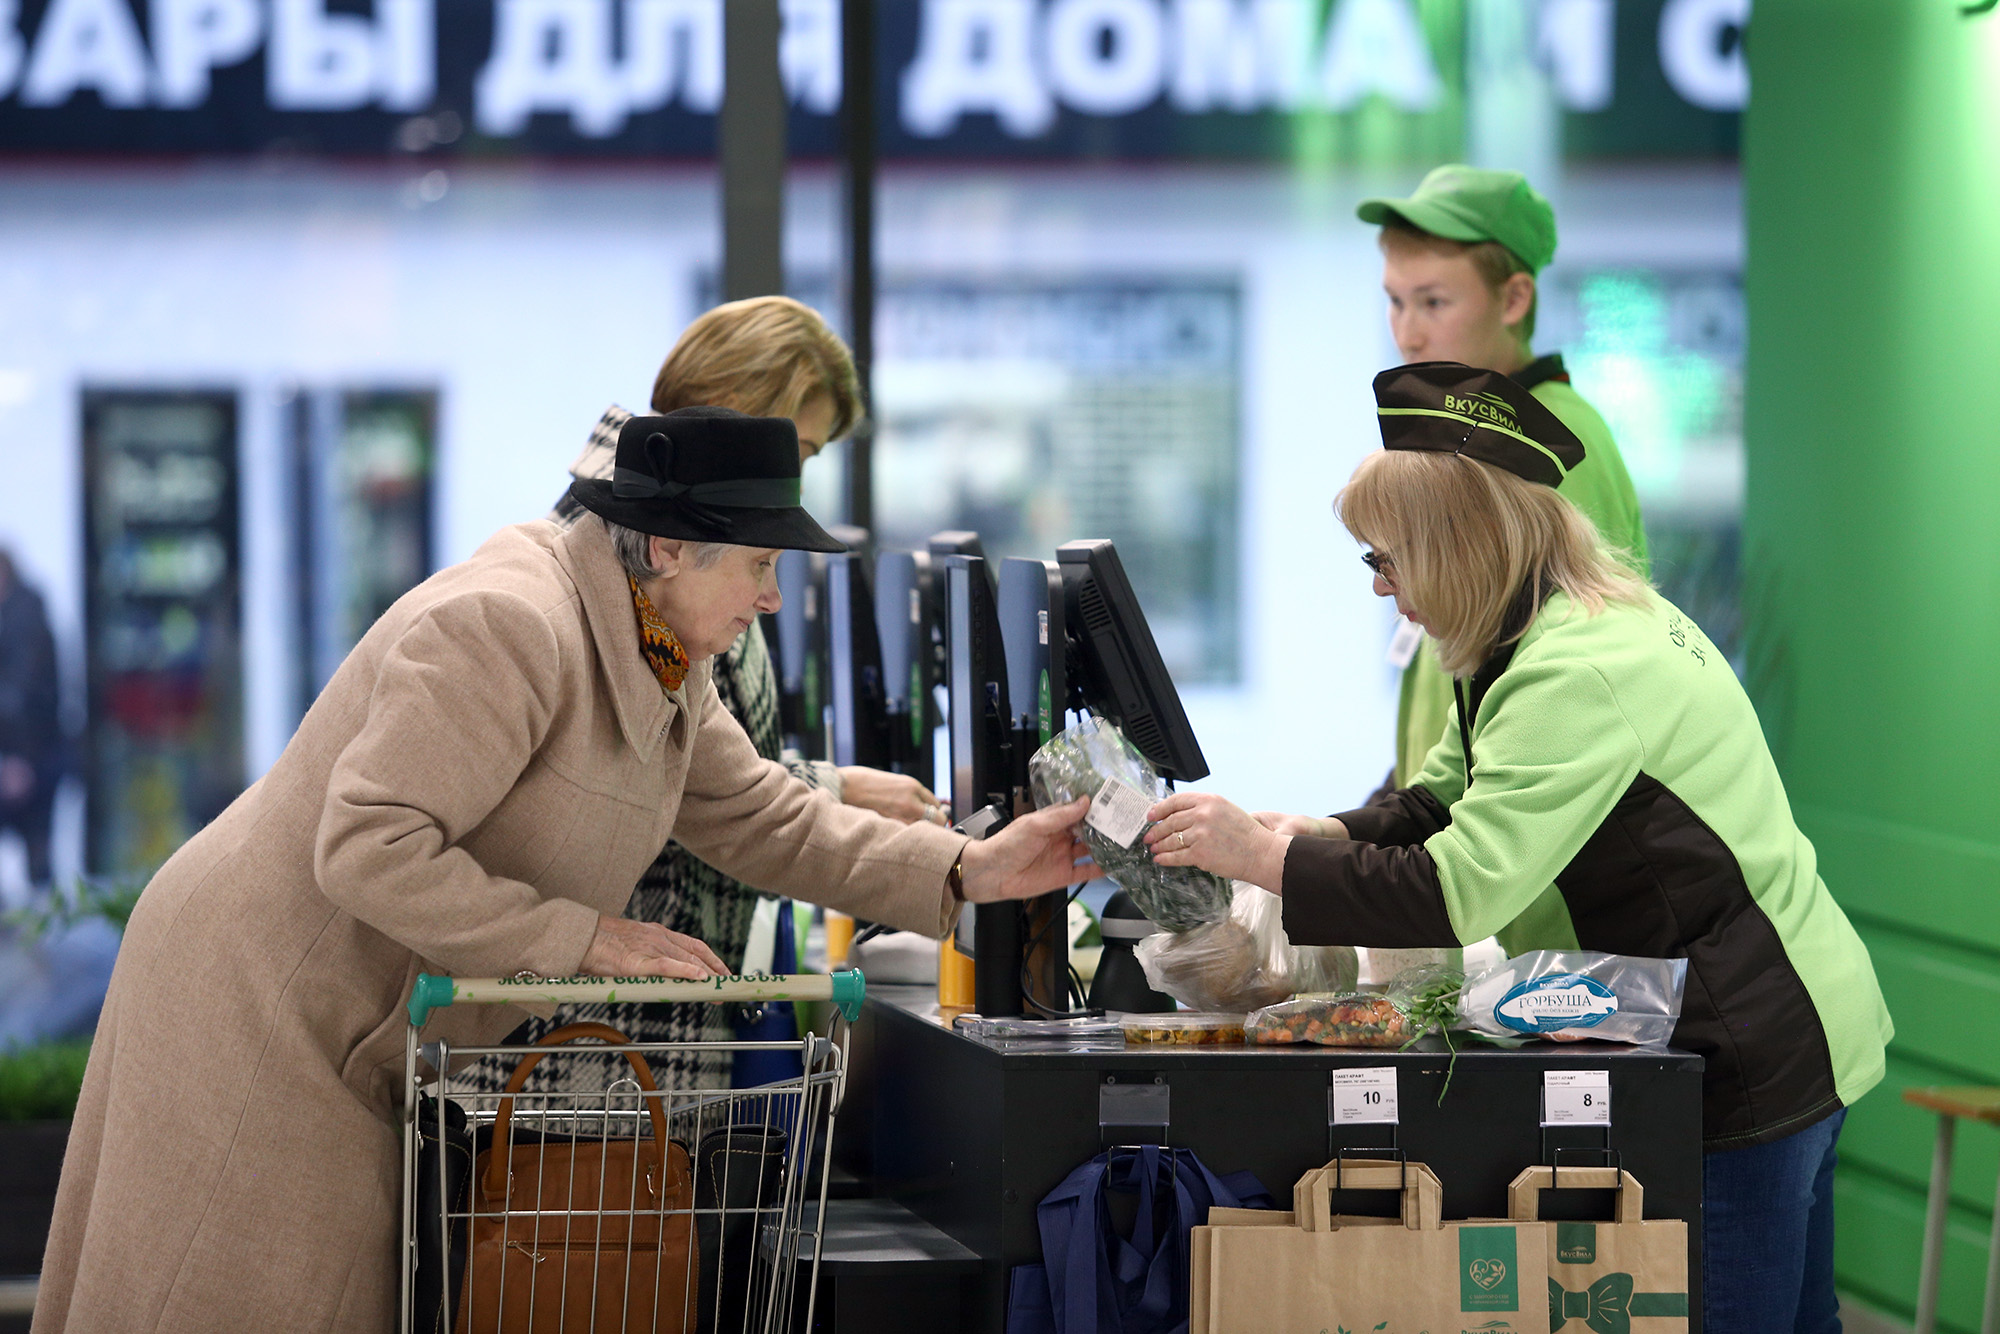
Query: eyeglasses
[{"x": 1379, "y": 564}]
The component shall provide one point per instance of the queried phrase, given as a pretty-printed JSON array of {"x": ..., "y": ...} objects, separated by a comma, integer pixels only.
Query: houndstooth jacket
[{"x": 678, "y": 890}]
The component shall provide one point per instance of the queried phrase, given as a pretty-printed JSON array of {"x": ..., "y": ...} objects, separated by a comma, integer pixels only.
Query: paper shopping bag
[
  {"x": 1314, "y": 1270},
  {"x": 1627, "y": 1276}
]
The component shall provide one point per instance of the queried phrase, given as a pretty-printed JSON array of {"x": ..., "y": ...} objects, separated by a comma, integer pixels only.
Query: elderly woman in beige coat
[{"x": 475, "y": 792}]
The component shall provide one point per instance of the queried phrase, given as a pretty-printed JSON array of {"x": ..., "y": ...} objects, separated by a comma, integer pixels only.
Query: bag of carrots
[{"x": 1420, "y": 1001}]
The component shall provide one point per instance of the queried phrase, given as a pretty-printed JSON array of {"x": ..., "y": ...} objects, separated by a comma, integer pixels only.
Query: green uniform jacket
[{"x": 1616, "y": 757}]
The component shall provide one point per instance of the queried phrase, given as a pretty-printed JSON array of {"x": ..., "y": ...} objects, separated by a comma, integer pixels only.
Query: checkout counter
[
  {"x": 947, "y": 1142},
  {"x": 969, "y": 1134}
]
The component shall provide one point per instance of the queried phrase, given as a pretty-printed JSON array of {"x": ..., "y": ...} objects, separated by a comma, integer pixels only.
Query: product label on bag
[
  {"x": 1547, "y": 1004},
  {"x": 1118, "y": 812}
]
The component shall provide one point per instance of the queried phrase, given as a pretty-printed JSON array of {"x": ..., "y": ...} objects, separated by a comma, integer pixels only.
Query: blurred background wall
[{"x": 1872, "y": 191}]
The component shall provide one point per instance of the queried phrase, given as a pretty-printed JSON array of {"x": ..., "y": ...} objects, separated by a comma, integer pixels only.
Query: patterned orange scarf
[{"x": 658, "y": 643}]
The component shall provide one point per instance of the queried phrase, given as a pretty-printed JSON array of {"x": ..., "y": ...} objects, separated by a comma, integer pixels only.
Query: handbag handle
[{"x": 494, "y": 1184}]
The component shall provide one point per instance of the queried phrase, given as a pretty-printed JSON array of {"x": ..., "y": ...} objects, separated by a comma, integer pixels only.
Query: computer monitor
[
  {"x": 975, "y": 690},
  {"x": 1115, "y": 668},
  {"x": 982, "y": 768},
  {"x": 859, "y": 729},
  {"x": 1031, "y": 631},
  {"x": 905, "y": 611},
  {"x": 797, "y": 635},
  {"x": 957, "y": 542}
]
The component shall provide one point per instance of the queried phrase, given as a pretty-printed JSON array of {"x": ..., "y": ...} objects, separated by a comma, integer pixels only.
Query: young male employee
[{"x": 1459, "y": 259}]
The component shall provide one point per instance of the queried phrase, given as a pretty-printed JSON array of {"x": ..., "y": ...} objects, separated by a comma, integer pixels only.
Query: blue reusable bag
[
  {"x": 774, "y": 1021},
  {"x": 1094, "y": 1281}
]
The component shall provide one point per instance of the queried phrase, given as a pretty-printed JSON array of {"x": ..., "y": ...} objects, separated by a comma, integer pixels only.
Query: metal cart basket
[{"x": 621, "y": 1207}]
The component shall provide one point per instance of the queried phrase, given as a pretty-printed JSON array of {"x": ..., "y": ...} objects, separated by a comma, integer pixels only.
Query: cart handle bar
[{"x": 846, "y": 989}]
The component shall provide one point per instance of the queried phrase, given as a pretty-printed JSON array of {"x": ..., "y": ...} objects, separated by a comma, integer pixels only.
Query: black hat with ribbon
[
  {"x": 1447, "y": 408},
  {"x": 708, "y": 475}
]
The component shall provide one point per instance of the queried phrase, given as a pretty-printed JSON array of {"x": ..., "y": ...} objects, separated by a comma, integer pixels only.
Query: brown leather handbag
[{"x": 584, "y": 1234}]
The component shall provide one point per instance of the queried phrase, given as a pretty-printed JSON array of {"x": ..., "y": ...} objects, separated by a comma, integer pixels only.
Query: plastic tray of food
[
  {"x": 1183, "y": 1029},
  {"x": 1333, "y": 1021}
]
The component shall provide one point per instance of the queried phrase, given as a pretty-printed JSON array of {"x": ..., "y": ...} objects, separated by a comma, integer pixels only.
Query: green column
[{"x": 1872, "y": 535}]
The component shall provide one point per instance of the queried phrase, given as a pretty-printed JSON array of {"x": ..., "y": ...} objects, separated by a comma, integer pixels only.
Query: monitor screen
[
  {"x": 859, "y": 731},
  {"x": 1031, "y": 628},
  {"x": 975, "y": 689},
  {"x": 1115, "y": 667},
  {"x": 797, "y": 636},
  {"x": 905, "y": 611}
]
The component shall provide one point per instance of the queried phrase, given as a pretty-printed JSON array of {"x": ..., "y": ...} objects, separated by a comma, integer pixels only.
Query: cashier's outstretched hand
[
  {"x": 1203, "y": 830},
  {"x": 1033, "y": 855}
]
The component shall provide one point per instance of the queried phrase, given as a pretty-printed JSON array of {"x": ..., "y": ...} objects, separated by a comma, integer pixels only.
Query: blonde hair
[
  {"x": 767, "y": 356},
  {"x": 1494, "y": 263},
  {"x": 1465, "y": 539}
]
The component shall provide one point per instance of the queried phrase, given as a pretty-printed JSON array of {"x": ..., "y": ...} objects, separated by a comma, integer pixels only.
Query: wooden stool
[{"x": 1951, "y": 1106}]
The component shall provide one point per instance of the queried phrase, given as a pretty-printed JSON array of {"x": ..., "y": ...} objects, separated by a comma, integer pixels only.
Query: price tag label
[
  {"x": 1118, "y": 812},
  {"x": 1366, "y": 1096},
  {"x": 1576, "y": 1097}
]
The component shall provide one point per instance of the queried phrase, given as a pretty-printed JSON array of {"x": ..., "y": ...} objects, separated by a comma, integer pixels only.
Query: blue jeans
[{"x": 1767, "y": 1236}]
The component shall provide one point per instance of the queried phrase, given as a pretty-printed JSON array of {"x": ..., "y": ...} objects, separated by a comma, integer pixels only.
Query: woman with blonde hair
[
  {"x": 1601, "y": 744},
  {"x": 768, "y": 356}
]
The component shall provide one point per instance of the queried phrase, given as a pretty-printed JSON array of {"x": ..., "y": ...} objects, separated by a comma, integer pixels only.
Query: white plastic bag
[{"x": 1244, "y": 961}]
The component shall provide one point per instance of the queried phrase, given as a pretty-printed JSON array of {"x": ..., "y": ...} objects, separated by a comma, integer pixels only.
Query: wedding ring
[{"x": 1181, "y": 834}]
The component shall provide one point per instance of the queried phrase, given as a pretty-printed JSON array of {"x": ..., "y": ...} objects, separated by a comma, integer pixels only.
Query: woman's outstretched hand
[
  {"x": 1203, "y": 830},
  {"x": 898, "y": 796},
  {"x": 1305, "y": 826},
  {"x": 1033, "y": 855},
  {"x": 625, "y": 948}
]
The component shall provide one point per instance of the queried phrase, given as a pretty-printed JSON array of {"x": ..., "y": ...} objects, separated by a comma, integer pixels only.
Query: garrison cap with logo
[
  {"x": 1472, "y": 204},
  {"x": 1447, "y": 408},
  {"x": 708, "y": 474}
]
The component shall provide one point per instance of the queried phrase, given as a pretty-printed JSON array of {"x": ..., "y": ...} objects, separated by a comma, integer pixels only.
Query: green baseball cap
[{"x": 1472, "y": 204}]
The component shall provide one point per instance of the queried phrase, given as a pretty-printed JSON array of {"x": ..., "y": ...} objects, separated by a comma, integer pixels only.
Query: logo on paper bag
[
  {"x": 1486, "y": 1273},
  {"x": 1565, "y": 1000},
  {"x": 1576, "y": 1243}
]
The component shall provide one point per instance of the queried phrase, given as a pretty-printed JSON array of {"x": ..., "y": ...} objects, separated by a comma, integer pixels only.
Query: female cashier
[{"x": 1601, "y": 744}]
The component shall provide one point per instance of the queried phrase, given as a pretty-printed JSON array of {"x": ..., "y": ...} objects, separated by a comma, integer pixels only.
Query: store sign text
[{"x": 1014, "y": 64}]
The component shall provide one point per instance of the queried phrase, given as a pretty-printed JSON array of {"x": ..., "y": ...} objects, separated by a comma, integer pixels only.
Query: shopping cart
[{"x": 622, "y": 1207}]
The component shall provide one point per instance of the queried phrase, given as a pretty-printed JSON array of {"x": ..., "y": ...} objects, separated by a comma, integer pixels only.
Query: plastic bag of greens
[
  {"x": 1418, "y": 1002},
  {"x": 1570, "y": 995},
  {"x": 1093, "y": 759}
]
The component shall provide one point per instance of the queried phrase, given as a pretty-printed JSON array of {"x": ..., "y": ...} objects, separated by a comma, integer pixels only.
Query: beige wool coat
[{"x": 491, "y": 768}]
